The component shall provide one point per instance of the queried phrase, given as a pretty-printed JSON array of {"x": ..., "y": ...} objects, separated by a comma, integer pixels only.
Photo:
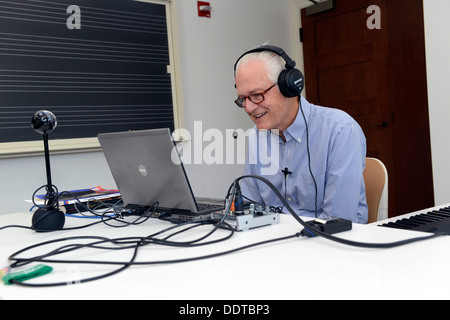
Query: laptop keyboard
[{"x": 209, "y": 207}]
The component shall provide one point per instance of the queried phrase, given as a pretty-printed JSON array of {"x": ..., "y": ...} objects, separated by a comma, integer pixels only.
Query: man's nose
[{"x": 250, "y": 106}]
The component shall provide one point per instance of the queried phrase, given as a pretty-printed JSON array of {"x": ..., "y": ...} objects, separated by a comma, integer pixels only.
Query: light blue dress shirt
[{"x": 337, "y": 148}]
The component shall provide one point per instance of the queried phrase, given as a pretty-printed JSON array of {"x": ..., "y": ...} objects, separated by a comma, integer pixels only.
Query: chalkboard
[{"x": 98, "y": 65}]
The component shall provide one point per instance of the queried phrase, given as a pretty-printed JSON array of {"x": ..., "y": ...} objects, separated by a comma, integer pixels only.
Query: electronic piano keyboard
[{"x": 433, "y": 220}]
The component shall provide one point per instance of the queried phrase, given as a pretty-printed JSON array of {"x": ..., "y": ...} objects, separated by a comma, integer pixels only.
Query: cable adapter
[{"x": 328, "y": 225}]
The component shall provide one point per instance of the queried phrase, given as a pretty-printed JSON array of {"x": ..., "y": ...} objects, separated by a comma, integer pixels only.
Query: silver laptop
[{"x": 147, "y": 168}]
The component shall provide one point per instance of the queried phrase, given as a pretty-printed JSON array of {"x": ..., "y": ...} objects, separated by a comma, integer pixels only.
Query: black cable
[
  {"x": 44, "y": 231},
  {"x": 134, "y": 243},
  {"x": 103, "y": 216},
  {"x": 309, "y": 155},
  {"x": 131, "y": 243},
  {"x": 16, "y": 226},
  {"x": 50, "y": 195},
  {"x": 127, "y": 264},
  {"x": 317, "y": 232}
]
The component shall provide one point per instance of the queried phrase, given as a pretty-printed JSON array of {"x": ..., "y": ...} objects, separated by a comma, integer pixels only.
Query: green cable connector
[{"x": 31, "y": 273}]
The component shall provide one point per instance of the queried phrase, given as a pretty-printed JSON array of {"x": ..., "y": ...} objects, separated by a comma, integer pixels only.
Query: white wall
[
  {"x": 209, "y": 49},
  {"x": 437, "y": 29}
]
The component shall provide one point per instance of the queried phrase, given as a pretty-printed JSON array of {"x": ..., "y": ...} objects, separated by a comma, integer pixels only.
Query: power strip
[{"x": 248, "y": 221}]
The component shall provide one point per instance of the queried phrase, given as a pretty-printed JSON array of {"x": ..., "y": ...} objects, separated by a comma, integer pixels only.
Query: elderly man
[{"x": 321, "y": 151}]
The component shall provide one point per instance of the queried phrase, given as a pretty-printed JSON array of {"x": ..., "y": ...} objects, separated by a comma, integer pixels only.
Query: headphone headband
[
  {"x": 290, "y": 64},
  {"x": 291, "y": 80}
]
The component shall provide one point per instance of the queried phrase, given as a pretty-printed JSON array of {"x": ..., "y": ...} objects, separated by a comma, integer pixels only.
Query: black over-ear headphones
[{"x": 290, "y": 81}]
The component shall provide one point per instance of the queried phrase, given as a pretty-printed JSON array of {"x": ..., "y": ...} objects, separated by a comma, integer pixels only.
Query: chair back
[{"x": 376, "y": 178}]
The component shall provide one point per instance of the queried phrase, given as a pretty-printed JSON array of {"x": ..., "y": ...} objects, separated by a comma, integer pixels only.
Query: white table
[{"x": 298, "y": 268}]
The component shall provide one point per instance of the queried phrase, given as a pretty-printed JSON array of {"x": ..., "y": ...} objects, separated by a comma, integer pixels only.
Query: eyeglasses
[{"x": 256, "y": 98}]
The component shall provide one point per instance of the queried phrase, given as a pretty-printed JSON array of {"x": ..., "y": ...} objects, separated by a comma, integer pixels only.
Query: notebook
[{"x": 146, "y": 167}]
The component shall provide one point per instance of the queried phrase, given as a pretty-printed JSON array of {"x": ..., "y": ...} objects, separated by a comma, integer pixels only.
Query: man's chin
[{"x": 262, "y": 126}]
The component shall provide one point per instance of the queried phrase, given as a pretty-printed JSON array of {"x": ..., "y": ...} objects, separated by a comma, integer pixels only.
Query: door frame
[{"x": 296, "y": 24}]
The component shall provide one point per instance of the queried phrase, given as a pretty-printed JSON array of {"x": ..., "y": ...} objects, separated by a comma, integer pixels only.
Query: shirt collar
[{"x": 297, "y": 129}]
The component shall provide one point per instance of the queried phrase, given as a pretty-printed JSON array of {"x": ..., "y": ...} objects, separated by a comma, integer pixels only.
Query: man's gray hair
[{"x": 274, "y": 63}]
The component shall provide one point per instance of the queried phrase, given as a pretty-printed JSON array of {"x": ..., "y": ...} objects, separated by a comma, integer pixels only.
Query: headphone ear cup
[{"x": 291, "y": 83}]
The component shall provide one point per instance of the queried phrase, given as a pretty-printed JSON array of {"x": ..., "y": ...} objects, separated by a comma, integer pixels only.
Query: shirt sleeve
[{"x": 344, "y": 194}]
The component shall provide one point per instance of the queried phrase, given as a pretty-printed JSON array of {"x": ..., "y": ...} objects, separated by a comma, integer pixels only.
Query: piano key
[
  {"x": 407, "y": 223},
  {"x": 435, "y": 219},
  {"x": 422, "y": 219}
]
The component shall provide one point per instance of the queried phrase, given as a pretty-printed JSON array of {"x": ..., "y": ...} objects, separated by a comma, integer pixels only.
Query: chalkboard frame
[{"x": 163, "y": 83}]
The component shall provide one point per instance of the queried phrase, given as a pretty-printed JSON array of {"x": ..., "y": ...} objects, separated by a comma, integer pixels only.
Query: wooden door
[{"x": 378, "y": 76}]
